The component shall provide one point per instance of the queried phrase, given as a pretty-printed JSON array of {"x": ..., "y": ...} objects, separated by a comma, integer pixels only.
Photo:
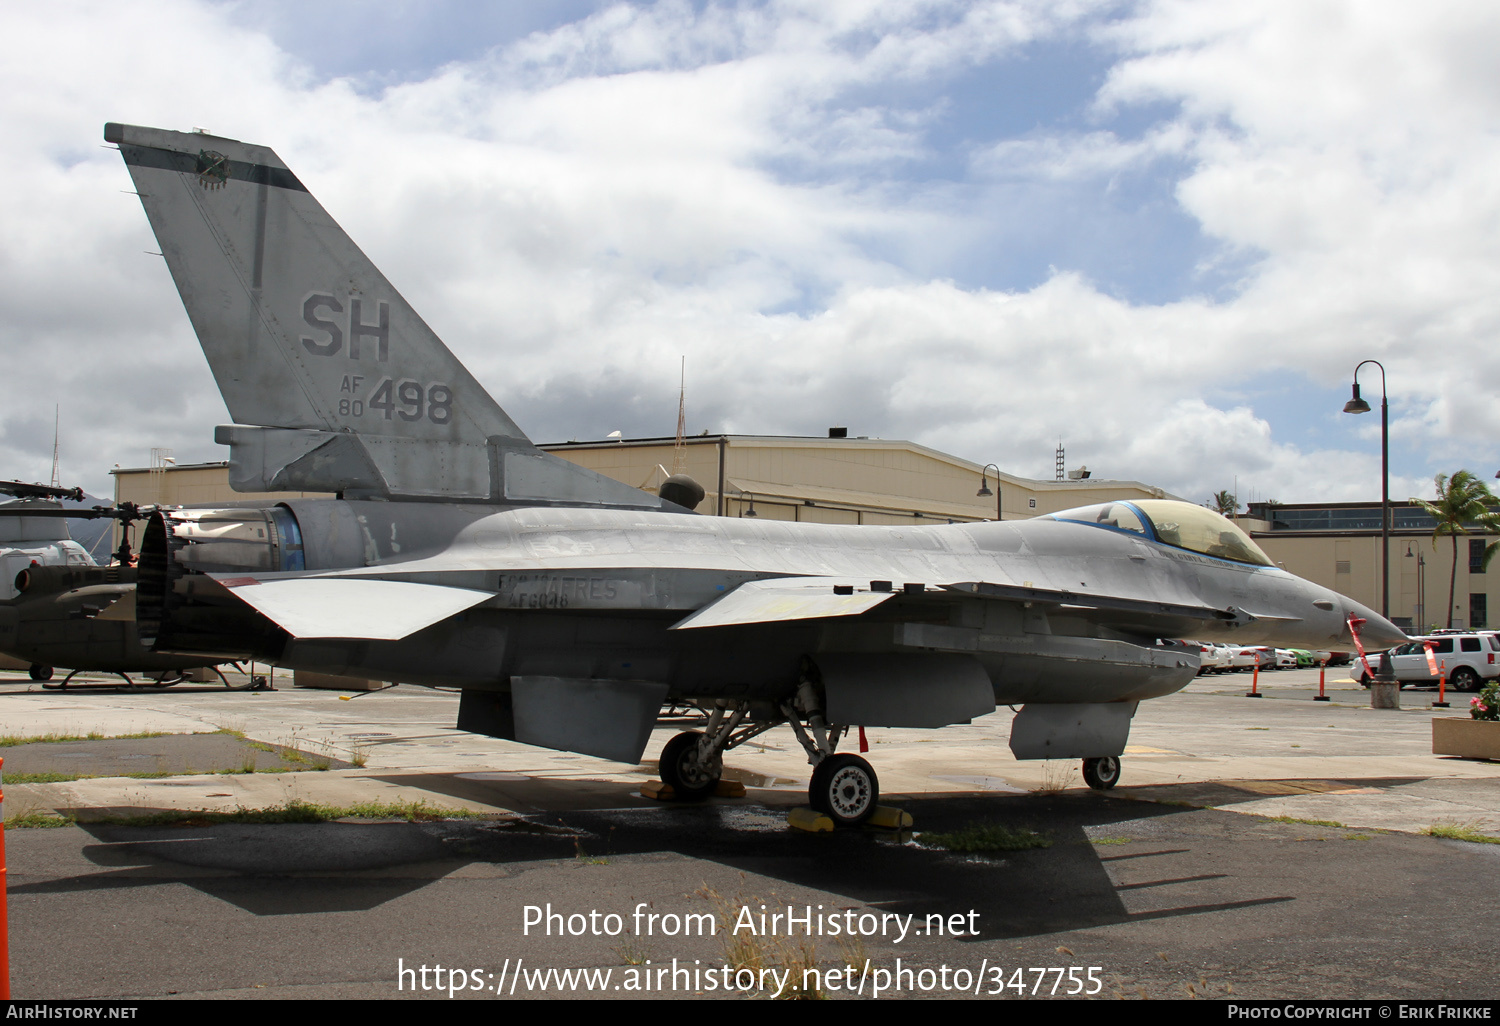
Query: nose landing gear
[{"x": 1102, "y": 773}]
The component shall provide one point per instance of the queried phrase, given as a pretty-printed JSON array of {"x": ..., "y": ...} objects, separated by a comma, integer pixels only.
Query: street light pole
[
  {"x": 984, "y": 488},
  {"x": 1358, "y": 405}
]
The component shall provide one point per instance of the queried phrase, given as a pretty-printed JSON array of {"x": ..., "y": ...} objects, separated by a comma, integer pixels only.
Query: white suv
[{"x": 1468, "y": 660}]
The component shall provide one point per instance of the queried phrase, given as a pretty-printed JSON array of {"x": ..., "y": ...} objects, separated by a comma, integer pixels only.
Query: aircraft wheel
[
  {"x": 40, "y": 672},
  {"x": 1102, "y": 773},
  {"x": 682, "y": 769},
  {"x": 844, "y": 787}
]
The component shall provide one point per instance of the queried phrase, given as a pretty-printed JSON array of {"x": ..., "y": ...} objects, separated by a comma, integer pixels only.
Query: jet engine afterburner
[{"x": 181, "y": 609}]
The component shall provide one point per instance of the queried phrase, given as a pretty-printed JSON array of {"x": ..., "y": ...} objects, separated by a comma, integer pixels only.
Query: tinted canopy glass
[
  {"x": 1116, "y": 515},
  {"x": 1199, "y": 529}
]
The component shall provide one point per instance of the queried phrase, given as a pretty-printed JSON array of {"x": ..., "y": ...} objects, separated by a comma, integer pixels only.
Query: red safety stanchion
[
  {"x": 4, "y": 926},
  {"x": 1255, "y": 680},
  {"x": 1355, "y": 623},
  {"x": 1442, "y": 703},
  {"x": 1322, "y": 673}
]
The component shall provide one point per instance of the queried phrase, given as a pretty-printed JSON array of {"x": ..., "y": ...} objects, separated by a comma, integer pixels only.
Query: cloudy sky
[{"x": 1162, "y": 232}]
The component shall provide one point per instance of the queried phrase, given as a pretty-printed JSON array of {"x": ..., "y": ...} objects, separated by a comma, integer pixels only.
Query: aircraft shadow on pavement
[
  {"x": 1221, "y": 793},
  {"x": 1079, "y": 881},
  {"x": 317, "y": 867}
]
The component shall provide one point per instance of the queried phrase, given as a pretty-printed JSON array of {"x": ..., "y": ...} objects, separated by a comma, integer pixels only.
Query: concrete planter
[{"x": 1466, "y": 738}]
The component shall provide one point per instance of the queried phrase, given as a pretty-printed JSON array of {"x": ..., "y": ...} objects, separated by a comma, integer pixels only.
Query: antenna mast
[
  {"x": 1061, "y": 460},
  {"x": 55, "y": 482},
  {"x": 679, "y": 455}
]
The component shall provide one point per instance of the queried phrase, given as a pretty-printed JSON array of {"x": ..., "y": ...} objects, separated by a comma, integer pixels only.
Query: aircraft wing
[
  {"x": 804, "y": 598},
  {"x": 785, "y": 598},
  {"x": 350, "y": 607}
]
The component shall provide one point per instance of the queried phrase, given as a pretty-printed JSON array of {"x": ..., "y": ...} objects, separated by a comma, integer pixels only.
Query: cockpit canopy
[{"x": 1180, "y": 524}]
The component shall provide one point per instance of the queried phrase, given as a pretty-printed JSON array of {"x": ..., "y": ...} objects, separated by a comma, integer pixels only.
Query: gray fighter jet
[{"x": 569, "y": 608}]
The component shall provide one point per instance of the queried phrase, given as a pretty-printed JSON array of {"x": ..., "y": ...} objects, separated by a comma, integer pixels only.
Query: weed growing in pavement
[
  {"x": 1306, "y": 822},
  {"x": 1056, "y": 776},
  {"x": 32, "y": 817},
  {"x": 631, "y": 953},
  {"x": 791, "y": 957},
  {"x": 11, "y": 740},
  {"x": 1461, "y": 832},
  {"x": 583, "y": 858},
  {"x": 298, "y": 811},
  {"x": 45, "y": 778},
  {"x": 37, "y": 820}
]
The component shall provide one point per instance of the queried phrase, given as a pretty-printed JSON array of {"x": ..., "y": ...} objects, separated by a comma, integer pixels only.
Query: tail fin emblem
[{"x": 213, "y": 169}]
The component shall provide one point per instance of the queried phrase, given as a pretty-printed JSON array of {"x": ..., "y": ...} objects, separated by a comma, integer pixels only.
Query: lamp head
[{"x": 1356, "y": 405}]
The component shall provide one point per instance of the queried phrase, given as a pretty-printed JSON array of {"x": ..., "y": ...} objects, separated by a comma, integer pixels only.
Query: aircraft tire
[
  {"x": 844, "y": 788},
  {"x": 38, "y": 672},
  {"x": 1102, "y": 773},
  {"x": 680, "y": 769}
]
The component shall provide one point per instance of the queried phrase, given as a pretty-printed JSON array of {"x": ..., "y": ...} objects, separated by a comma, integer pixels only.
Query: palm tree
[
  {"x": 1224, "y": 502},
  {"x": 1463, "y": 499}
]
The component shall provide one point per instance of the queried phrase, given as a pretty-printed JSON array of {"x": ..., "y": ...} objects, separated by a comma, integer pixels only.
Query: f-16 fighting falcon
[{"x": 568, "y": 608}]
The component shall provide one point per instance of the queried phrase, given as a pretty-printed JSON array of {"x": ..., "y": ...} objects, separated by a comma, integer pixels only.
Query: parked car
[
  {"x": 1306, "y": 658},
  {"x": 1468, "y": 660},
  {"x": 1245, "y": 658},
  {"x": 1211, "y": 658}
]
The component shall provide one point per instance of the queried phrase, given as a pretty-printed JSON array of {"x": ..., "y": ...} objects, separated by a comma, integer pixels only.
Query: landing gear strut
[
  {"x": 844, "y": 787},
  {"x": 1102, "y": 773}
]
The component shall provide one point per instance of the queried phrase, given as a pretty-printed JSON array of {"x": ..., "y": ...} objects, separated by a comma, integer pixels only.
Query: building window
[
  {"x": 1476, "y": 555},
  {"x": 1478, "y": 610}
]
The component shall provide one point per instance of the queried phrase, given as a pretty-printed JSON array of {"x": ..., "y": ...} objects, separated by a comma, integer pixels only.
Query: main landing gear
[
  {"x": 844, "y": 787},
  {"x": 692, "y": 763}
]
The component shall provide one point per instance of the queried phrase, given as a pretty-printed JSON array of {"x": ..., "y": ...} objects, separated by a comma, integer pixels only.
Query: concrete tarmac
[{"x": 1198, "y": 876}]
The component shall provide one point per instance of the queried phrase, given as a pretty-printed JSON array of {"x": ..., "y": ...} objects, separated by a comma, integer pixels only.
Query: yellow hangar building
[
  {"x": 833, "y": 480},
  {"x": 844, "y": 480}
]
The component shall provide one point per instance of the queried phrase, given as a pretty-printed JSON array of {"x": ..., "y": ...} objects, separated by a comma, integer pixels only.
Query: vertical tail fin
[{"x": 333, "y": 380}]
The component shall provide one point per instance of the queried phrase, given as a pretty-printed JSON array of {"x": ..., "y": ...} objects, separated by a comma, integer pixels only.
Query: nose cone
[{"x": 1376, "y": 632}]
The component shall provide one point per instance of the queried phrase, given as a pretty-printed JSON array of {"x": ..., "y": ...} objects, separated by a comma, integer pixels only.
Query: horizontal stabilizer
[
  {"x": 350, "y": 607},
  {"x": 785, "y": 598}
]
